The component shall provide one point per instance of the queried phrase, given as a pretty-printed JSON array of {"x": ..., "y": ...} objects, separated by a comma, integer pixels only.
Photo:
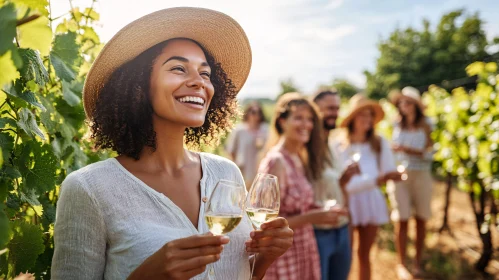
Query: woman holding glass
[
  {"x": 358, "y": 142},
  {"x": 412, "y": 143},
  {"x": 141, "y": 215},
  {"x": 246, "y": 141},
  {"x": 296, "y": 156}
]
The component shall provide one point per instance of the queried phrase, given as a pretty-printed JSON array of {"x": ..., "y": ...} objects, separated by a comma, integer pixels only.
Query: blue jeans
[{"x": 335, "y": 253}]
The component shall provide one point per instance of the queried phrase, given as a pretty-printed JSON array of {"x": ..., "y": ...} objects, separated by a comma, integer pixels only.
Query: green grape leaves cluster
[
  {"x": 467, "y": 132},
  {"x": 43, "y": 60}
]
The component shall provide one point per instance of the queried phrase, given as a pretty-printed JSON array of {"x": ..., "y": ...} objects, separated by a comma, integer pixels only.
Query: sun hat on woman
[
  {"x": 359, "y": 102},
  {"x": 410, "y": 93},
  {"x": 231, "y": 48}
]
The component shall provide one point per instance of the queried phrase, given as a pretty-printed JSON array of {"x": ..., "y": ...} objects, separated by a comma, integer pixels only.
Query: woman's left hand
[
  {"x": 399, "y": 148},
  {"x": 272, "y": 240}
]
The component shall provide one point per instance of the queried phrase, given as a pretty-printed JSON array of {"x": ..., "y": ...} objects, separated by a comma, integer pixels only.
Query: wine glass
[
  {"x": 262, "y": 202},
  {"x": 402, "y": 164},
  {"x": 330, "y": 203},
  {"x": 224, "y": 209},
  {"x": 355, "y": 155}
]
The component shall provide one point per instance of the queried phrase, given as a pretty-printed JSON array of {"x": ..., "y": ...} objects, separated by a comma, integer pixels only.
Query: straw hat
[
  {"x": 218, "y": 33},
  {"x": 409, "y": 93},
  {"x": 359, "y": 102},
  {"x": 286, "y": 98}
]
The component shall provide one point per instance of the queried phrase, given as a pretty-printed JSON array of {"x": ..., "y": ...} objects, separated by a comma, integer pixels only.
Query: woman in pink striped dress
[{"x": 296, "y": 156}]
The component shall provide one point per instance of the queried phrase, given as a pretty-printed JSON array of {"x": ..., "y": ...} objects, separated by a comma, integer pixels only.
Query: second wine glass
[{"x": 262, "y": 202}]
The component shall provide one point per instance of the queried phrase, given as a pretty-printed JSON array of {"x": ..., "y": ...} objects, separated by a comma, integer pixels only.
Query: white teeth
[{"x": 193, "y": 99}]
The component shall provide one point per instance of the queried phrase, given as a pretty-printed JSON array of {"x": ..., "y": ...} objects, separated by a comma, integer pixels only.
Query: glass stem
[{"x": 253, "y": 265}]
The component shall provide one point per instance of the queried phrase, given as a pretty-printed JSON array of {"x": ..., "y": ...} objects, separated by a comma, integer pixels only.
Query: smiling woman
[{"x": 140, "y": 215}]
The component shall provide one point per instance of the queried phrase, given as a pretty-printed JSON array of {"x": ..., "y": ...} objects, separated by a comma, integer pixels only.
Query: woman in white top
[
  {"x": 246, "y": 141},
  {"x": 166, "y": 80},
  {"x": 412, "y": 143},
  {"x": 359, "y": 142}
]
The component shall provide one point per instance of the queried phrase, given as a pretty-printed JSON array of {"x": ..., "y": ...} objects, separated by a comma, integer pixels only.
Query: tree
[
  {"x": 288, "y": 85},
  {"x": 345, "y": 88},
  {"x": 424, "y": 57},
  {"x": 42, "y": 130}
]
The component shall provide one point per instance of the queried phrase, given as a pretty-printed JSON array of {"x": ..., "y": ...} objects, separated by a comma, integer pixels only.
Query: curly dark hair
[{"x": 122, "y": 118}]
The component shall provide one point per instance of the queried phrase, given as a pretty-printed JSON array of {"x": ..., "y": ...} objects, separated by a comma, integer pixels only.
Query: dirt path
[{"x": 447, "y": 257}]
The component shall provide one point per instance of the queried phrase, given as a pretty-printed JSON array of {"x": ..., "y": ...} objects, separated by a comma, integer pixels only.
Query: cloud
[
  {"x": 334, "y": 4},
  {"x": 331, "y": 34}
]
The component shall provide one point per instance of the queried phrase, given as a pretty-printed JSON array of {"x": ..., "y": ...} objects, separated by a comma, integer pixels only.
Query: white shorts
[{"x": 413, "y": 194}]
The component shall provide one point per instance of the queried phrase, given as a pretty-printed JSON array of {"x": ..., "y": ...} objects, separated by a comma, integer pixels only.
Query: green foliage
[
  {"x": 424, "y": 57},
  {"x": 467, "y": 135},
  {"x": 287, "y": 86},
  {"x": 25, "y": 246},
  {"x": 42, "y": 131},
  {"x": 345, "y": 88}
]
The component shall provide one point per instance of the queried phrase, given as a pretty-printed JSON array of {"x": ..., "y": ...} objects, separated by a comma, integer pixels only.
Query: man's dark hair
[{"x": 323, "y": 93}]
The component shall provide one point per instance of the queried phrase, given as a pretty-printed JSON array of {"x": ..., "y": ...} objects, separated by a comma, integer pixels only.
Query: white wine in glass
[
  {"x": 220, "y": 224},
  {"x": 262, "y": 202},
  {"x": 224, "y": 209},
  {"x": 260, "y": 216}
]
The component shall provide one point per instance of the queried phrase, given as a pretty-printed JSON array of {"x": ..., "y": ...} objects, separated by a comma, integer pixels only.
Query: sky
[{"x": 310, "y": 41}]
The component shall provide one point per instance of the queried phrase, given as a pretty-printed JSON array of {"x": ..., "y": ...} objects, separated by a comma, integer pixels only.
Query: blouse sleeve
[{"x": 79, "y": 234}]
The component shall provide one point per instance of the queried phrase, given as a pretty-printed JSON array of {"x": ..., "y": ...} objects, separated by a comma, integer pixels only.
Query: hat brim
[
  {"x": 379, "y": 114},
  {"x": 218, "y": 33},
  {"x": 395, "y": 98}
]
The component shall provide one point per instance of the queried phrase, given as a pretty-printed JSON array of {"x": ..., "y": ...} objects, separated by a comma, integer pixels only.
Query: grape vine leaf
[
  {"x": 91, "y": 13},
  {"x": 13, "y": 201},
  {"x": 4, "y": 189},
  {"x": 53, "y": 121},
  {"x": 36, "y": 35},
  {"x": 8, "y": 22},
  {"x": 39, "y": 6},
  {"x": 27, "y": 122},
  {"x": 30, "y": 197},
  {"x": 10, "y": 172},
  {"x": 33, "y": 68},
  {"x": 48, "y": 211},
  {"x": 4, "y": 225},
  {"x": 38, "y": 169},
  {"x": 9, "y": 71},
  {"x": 65, "y": 56},
  {"x": 27, "y": 96},
  {"x": 91, "y": 35},
  {"x": 25, "y": 246},
  {"x": 69, "y": 95},
  {"x": 6, "y": 144},
  {"x": 6, "y": 121}
]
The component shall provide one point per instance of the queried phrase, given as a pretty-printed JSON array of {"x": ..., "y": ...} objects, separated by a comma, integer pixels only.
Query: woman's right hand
[
  {"x": 182, "y": 258},
  {"x": 348, "y": 173},
  {"x": 330, "y": 217},
  {"x": 393, "y": 176}
]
